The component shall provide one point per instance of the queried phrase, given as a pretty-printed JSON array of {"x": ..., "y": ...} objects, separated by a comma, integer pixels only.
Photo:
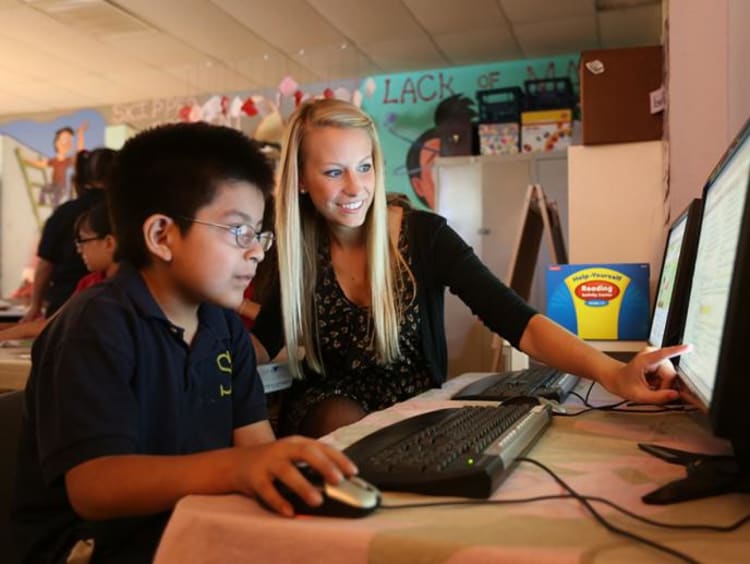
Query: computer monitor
[
  {"x": 673, "y": 289},
  {"x": 718, "y": 315},
  {"x": 716, "y": 374}
]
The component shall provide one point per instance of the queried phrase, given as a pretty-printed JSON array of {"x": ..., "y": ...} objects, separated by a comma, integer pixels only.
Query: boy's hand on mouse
[{"x": 261, "y": 465}]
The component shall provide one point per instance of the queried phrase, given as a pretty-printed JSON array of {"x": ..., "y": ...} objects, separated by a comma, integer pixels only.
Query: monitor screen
[
  {"x": 711, "y": 324},
  {"x": 668, "y": 318}
]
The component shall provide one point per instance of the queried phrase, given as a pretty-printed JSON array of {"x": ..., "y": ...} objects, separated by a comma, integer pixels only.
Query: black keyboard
[
  {"x": 462, "y": 451},
  {"x": 539, "y": 381}
]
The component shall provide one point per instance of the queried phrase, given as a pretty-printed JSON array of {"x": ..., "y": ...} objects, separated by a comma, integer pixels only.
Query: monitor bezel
[{"x": 675, "y": 323}]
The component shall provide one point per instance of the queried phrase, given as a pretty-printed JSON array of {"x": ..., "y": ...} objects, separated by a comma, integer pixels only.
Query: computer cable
[
  {"x": 586, "y": 502},
  {"x": 618, "y": 406}
]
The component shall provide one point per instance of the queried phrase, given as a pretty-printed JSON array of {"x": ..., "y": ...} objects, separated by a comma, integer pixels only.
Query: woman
[{"x": 362, "y": 284}]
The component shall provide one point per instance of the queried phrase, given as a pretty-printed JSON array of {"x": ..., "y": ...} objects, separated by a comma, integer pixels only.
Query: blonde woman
[{"x": 362, "y": 283}]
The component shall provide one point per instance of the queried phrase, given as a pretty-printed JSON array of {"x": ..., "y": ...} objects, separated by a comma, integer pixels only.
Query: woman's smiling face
[{"x": 338, "y": 174}]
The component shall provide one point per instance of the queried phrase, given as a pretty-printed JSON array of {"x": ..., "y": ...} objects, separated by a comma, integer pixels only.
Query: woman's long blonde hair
[{"x": 299, "y": 228}]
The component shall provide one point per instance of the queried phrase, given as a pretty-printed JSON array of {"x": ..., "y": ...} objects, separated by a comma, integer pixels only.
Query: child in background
[
  {"x": 59, "y": 267},
  {"x": 97, "y": 247},
  {"x": 96, "y": 244},
  {"x": 156, "y": 390}
]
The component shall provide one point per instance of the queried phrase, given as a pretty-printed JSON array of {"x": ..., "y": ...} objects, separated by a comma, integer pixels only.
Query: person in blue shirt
[{"x": 144, "y": 388}]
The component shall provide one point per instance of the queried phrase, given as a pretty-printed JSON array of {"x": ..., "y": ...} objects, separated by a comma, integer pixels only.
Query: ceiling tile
[
  {"x": 289, "y": 25},
  {"x": 335, "y": 63},
  {"x": 454, "y": 17},
  {"x": 406, "y": 54},
  {"x": 28, "y": 60},
  {"x": 202, "y": 25},
  {"x": 155, "y": 48},
  {"x": 527, "y": 11},
  {"x": 630, "y": 27},
  {"x": 62, "y": 42},
  {"x": 548, "y": 38},
  {"x": 484, "y": 45},
  {"x": 366, "y": 22}
]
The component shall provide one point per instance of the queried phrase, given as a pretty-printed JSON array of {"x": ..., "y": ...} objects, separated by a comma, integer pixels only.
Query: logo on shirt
[{"x": 224, "y": 364}]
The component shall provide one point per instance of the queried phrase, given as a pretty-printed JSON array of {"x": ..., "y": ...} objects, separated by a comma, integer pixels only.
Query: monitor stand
[{"x": 707, "y": 475}]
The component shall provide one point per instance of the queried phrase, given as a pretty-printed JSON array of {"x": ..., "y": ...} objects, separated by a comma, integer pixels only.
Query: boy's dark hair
[{"x": 175, "y": 170}]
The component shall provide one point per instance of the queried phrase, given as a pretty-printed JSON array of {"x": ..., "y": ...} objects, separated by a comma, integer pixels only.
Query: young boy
[{"x": 144, "y": 389}]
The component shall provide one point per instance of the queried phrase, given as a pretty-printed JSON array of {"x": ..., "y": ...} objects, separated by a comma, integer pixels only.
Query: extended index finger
[{"x": 653, "y": 358}]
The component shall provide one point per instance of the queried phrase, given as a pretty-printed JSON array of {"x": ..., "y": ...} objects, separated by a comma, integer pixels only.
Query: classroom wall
[{"x": 709, "y": 88}]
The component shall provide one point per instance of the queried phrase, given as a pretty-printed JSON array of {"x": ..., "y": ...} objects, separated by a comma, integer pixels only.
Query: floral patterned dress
[{"x": 345, "y": 331}]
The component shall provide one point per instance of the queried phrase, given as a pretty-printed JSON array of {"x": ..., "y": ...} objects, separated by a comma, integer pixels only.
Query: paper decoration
[
  {"x": 343, "y": 94},
  {"x": 184, "y": 113},
  {"x": 370, "y": 87},
  {"x": 195, "y": 113},
  {"x": 235, "y": 108},
  {"x": 211, "y": 108},
  {"x": 288, "y": 86},
  {"x": 249, "y": 107}
]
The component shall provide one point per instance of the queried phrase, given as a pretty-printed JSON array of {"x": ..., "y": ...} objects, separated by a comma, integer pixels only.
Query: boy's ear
[{"x": 158, "y": 231}]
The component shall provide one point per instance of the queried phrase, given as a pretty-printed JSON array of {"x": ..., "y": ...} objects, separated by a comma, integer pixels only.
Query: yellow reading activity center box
[{"x": 607, "y": 302}]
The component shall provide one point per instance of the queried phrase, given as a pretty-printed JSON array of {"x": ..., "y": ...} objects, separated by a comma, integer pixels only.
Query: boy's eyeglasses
[
  {"x": 80, "y": 241},
  {"x": 244, "y": 235}
]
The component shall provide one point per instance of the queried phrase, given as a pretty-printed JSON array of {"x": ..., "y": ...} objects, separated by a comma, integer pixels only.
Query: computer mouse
[{"x": 352, "y": 497}]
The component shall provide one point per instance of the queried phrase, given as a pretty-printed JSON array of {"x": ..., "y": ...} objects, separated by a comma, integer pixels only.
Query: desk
[
  {"x": 11, "y": 313},
  {"x": 15, "y": 364},
  {"x": 595, "y": 453}
]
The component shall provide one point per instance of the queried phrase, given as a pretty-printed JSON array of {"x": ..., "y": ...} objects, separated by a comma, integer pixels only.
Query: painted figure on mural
[
  {"x": 452, "y": 111},
  {"x": 56, "y": 190}
]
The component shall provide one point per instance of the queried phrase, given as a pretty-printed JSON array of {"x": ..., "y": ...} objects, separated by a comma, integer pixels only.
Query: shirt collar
[{"x": 131, "y": 281}]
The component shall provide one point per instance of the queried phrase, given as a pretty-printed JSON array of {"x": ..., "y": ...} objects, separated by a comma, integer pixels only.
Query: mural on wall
[
  {"x": 47, "y": 155},
  {"x": 418, "y": 114},
  {"x": 35, "y": 177},
  {"x": 410, "y": 108}
]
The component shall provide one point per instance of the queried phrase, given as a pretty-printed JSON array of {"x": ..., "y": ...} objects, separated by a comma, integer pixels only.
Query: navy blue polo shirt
[{"x": 111, "y": 375}]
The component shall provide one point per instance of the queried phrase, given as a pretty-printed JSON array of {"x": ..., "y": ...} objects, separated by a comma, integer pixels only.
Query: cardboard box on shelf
[
  {"x": 499, "y": 138},
  {"x": 546, "y": 130}
]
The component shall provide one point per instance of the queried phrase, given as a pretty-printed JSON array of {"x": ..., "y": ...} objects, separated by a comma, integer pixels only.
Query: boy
[{"x": 145, "y": 389}]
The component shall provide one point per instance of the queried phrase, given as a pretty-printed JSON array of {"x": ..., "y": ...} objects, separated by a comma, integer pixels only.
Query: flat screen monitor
[
  {"x": 717, "y": 324},
  {"x": 673, "y": 288}
]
